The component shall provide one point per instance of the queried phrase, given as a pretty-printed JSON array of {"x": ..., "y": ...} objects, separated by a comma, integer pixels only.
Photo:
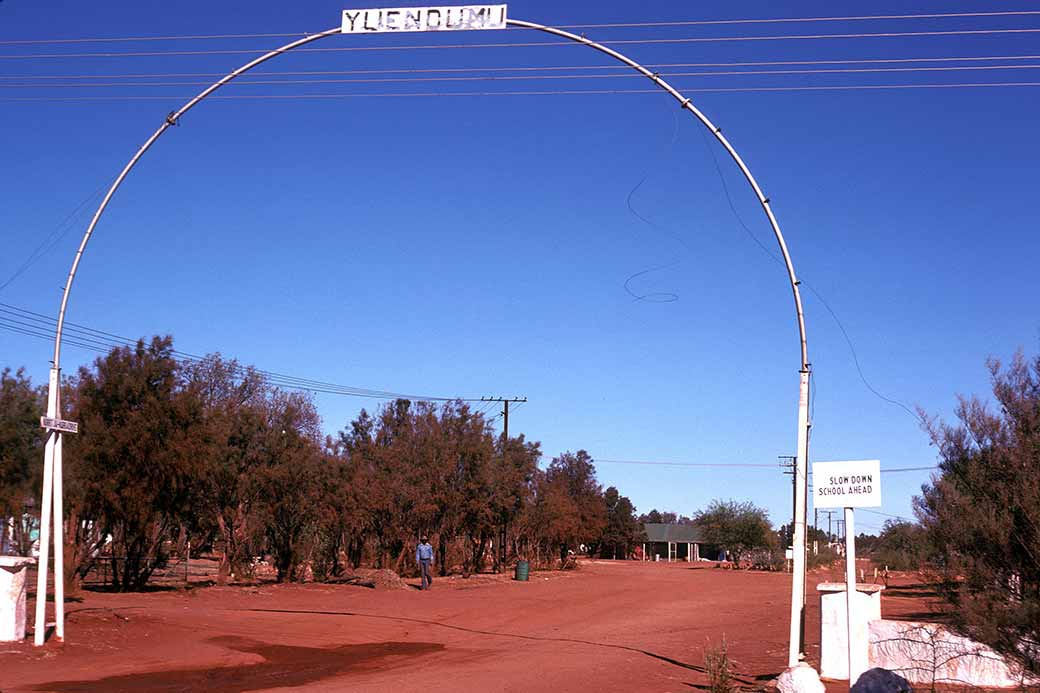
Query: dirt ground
[{"x": 609, "y": 626}]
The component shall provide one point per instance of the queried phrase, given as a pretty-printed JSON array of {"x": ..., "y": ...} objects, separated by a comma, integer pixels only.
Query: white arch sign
[{"x": 382, "y": 20}]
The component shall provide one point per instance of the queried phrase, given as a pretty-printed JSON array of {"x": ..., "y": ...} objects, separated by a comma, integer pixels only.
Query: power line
[
  {"x": 878, "y": 512},
  {"x": 52, "y": 239},
  {"x": 527, "y": 77},
  {"x": 826, "y": 305},
  {"x": 528, "y": 44},
  {"x": 33, "y": 324},
  {"x": 792, "y": 20},
  {"x": 736, "y": 465},
  {"x": 543, "y": 92},
  {"x": 611, "y": 25},
  {"x": 657, "y": 66},
  {"x": 746, "y": 465},
  {"x": 911, "y": 469},
  {"x": 282, "y": 381}
]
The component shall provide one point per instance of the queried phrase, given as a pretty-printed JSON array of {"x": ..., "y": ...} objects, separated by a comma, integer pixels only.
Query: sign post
[
  {"x": 848, "y": 485},
  {"x": 52, "y": 505}
]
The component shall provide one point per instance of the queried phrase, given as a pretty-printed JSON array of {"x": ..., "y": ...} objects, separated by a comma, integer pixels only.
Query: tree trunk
[
  {"x": 399, "y": 564},
  {"x": 478, "y": 547},
  {"x": 442, "y": 552},
  {"x": 224, "y": 569}
]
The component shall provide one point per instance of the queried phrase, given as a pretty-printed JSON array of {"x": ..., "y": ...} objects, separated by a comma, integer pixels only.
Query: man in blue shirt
[{"x": 424, "y": 557}]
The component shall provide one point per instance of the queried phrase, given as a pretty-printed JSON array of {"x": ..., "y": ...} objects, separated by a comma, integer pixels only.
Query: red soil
[{"x": 624, "y": 626}]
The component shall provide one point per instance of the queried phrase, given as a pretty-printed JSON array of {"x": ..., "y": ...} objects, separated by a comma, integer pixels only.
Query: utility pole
[
  {"x": 816, "y": 530},
  {"x": 506, "y": 401},
  {"x": 789, "y": 463},
  {"x": 829, "y": 514}
]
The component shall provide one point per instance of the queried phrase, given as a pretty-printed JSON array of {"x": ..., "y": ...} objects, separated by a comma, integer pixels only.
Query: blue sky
[{"x": 480, "y": 245}]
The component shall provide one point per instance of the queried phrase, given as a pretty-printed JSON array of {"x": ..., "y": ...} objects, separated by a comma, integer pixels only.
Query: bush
[
  {"x": 825, "y": 557},
  {"x": 718, "y": 669},
  {"x": 982, "y": 513}
]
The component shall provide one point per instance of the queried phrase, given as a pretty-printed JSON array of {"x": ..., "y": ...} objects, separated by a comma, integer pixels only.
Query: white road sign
[
  {"x": 447, "y": 18},
  {"x": 59, "y": 425},
  {"x": 853, "y": 484}
]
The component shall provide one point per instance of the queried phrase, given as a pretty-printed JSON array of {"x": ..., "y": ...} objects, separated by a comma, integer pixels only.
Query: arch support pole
[{"x": 52, "y": 484}]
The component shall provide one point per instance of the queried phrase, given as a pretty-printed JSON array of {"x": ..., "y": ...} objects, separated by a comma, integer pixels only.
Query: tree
[
  {"x": 669, "y": 518},
  {"x": 234, "y": 401},
  {"x": 396, "y": 496},
  {"x": 902, "y": 545},
  {"x": 21, "y": 457},
  {"x": 570, "y": 503},
  {"x": 653, "y": 517},
  {"x": 340, "y": 523},
  {"x": 622, "y": 530},
  {"x": 735, "y": 526},
  {"x": 135, "y": 461},
  {"x": 785, "y": 536},
  {"x": 512, "y": 477},
  {"x": 982, "y": 513},
  {"x": 289, "y": 482}
]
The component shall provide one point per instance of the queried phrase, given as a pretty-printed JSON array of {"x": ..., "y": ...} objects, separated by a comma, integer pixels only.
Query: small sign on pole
[
  {"x": 445, "y": 18},
  {"x": 61, "y": 425},
  {"x": 855, "y": 484},
  {"x": 848, "y": 485}
]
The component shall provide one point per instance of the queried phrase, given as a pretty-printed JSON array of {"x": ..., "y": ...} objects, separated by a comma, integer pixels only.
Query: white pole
[
  {"x": 856, "y": 655},
  {"x": 45, "y": 531},
  {"x": 798, "y": 539},
  {"x": 59, "y": 538},
  {"x": 45, "y": 514}
]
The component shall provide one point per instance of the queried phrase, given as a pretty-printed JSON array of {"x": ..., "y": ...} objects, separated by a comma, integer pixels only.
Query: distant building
[{"x": 672, "y": 542}]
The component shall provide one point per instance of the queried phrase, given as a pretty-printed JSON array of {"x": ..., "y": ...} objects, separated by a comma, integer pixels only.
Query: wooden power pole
[{"x": 506, "y": 401}]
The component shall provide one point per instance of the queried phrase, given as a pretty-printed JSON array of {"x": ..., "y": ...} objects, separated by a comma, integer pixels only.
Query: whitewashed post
[
  {"x": 857, "y": 655},
  {"x": 848, "y": 485}
]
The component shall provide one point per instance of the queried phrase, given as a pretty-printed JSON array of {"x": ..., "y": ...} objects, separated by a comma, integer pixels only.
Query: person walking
[{"x": 424, "y": 557}]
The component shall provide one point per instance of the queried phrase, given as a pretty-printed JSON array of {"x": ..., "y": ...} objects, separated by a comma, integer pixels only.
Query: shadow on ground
[
  {"x": 283, "y": 666},
  {"x": 741, "y": 678}
]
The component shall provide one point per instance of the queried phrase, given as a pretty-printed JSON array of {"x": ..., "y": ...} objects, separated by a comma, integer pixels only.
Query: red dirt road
[{"x": 624, "y": 626}]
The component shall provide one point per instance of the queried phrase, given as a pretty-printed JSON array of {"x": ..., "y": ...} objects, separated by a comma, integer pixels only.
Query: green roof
[{"x": 681, "y": 534}]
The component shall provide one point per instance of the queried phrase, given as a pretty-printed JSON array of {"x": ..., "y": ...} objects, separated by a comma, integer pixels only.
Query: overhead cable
[
  {"x": 527, "y": 77},
  {"x": 543, "y": 92},
  {"x": 527, "y": 68},
  {"x": 51, "y": 239},
  {"x": 739, "y": 465},
  {"x": 31, "y": 323},
  {"x": 529, "y": 44},
  {"x": 694, "y": 22}
]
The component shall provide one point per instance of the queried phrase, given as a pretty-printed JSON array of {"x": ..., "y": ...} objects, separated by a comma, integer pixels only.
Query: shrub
[{"x": 717, "y": 668}]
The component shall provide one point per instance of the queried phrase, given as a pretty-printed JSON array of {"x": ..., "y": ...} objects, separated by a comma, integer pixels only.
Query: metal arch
[
  {"x": 170, "y": 121},
  {"x": 687, "y": 104},
  {"x": 684, "y": 103},
  {"x": 54, "y": 405}
]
